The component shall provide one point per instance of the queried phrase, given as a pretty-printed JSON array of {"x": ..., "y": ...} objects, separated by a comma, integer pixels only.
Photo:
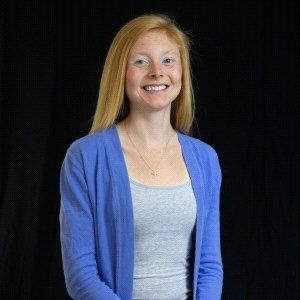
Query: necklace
[{"x": 155, "y": 171}]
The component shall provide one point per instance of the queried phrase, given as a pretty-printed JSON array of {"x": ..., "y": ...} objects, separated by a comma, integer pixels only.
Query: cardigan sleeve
[
  {"x": 77, "y": 236},
  {"x": 210, "y": 278}
]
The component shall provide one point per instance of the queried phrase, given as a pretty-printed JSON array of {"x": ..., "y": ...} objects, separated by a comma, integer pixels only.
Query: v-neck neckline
[
  {"x": 119, "y": 145},
  {"x": 114, "y": 126}
]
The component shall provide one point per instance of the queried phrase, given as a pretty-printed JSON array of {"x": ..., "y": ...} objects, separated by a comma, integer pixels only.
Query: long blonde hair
[{"x": 113, "y": 105}]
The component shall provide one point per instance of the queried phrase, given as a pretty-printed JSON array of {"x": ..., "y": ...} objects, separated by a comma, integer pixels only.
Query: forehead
[{"x": 154, "y": 41}]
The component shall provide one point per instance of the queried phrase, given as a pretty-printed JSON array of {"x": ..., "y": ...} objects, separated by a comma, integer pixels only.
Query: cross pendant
[{"x": 155, "y": 174}]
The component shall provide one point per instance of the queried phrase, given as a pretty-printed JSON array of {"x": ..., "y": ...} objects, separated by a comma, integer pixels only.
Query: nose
[{"x": 155, "y": 70}]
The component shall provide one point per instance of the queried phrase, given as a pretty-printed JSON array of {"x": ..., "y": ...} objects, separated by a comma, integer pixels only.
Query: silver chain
[{"x": 155, "y": 173}]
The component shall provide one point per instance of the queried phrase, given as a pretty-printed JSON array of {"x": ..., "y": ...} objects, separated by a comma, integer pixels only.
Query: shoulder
[
  {"x": 204, "y": 151},
  {"x": 88, "y": 146},
  {"x": 85, "y": 143}
]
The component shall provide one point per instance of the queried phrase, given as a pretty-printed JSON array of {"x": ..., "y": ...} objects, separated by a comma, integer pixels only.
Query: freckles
[
  {"x": 129, "y": 76},
  {"x": 178, "y": 74},
  {"x": 132, "y": 80}
]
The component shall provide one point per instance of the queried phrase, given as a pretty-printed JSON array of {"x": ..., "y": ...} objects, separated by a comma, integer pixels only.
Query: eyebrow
[{"x": 146, "y": 54}]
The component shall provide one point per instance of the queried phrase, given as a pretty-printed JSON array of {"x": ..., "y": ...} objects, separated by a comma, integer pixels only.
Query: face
[{"x": 154, "y": 71}]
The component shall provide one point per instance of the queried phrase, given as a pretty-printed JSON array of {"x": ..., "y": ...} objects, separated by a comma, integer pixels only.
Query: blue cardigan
[{"x": 97, "y": 224}]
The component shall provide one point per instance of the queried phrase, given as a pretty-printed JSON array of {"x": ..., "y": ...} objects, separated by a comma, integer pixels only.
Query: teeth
[{"x": 155, "y": 87}]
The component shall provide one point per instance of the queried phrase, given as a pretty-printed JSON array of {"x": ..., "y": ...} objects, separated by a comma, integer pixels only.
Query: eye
[
  {"x": 169, "y": 60},
  {"x": 141, "y": 62}
]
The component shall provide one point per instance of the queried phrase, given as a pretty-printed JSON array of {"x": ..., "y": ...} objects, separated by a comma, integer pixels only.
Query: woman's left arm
[{"x": 210, "y": 278}]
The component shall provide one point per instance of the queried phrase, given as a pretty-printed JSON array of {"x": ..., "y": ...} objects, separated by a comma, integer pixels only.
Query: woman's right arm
[{"x": 77, "y": 236}]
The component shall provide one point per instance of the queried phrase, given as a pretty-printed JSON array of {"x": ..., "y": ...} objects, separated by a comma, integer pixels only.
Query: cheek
[
  {"x": 177, "y": 75},
  {"x": 132, "y": 78}
]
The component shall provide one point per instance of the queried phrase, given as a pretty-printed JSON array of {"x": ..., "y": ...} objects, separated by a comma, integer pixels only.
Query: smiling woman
[
  {"x": 132, "y": 48},
  {"x": 140, "y": 197}
]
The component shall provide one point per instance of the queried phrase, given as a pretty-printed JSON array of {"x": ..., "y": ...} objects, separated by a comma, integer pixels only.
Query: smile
[{"x": 155, "y": 88}]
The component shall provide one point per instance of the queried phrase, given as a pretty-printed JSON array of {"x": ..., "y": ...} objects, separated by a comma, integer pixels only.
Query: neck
[{"x": 149, "y": 134}]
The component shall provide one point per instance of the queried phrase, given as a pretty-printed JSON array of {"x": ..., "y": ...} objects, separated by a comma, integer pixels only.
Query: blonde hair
[{"x": 113, "y": 105}]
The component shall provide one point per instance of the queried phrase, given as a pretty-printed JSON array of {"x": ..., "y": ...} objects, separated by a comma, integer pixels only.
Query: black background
[{"x": 245, "y": 64}]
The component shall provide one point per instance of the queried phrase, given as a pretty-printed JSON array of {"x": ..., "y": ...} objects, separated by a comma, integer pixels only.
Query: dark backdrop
[{"x": 244, "y": 59}]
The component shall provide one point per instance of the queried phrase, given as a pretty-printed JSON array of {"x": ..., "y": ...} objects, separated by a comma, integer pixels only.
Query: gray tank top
[{"x": 164, "y": 219}]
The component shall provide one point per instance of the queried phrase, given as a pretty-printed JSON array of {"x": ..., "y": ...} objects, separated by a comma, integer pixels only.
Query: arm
[
  {"x": 210, "y": 278},
  {"x": 77, "y": 236}
]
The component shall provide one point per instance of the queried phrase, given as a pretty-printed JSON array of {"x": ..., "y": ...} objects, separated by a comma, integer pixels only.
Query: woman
[{"x": 140, "y": 197}]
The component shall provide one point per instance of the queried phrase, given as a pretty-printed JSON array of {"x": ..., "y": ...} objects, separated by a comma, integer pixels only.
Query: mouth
[{"x": 153, "y": 88}]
